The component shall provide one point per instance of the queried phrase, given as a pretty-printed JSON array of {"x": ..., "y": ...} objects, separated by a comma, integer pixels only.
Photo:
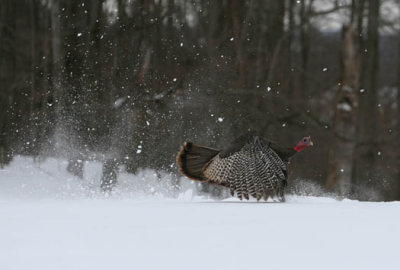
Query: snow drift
[{"x": 50, "y": 220}]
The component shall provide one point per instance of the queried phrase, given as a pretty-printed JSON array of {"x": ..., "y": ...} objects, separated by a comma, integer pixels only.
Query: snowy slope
[{"x": 42, "y": 231}]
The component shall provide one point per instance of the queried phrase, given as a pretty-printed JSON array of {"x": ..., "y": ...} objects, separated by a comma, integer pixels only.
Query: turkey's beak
[{"x": 311, "y": 143}]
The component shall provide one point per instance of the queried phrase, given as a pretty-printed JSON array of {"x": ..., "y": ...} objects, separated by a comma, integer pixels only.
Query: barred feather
[
  {"x": 255, "y": 170},
  {"x": 250, "y": 166}
]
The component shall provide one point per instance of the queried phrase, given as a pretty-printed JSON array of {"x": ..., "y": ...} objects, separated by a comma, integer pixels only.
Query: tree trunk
[
  {"x": 398, "y": 119},
  {"x": 365, "y": 162},
  {"x": 237, "y": 7},
  {"x": 289, "y": 64},
  {"x": 305, "y": 49},
  {"x": 7, "y": 76},
  {"x": 57, "y": 60},
  {"x": 110, "y": 174},
  {"x": 359, "y": 7},
  {"x": 34, "y": 120},
  {"x": 75, "y": 165},
  {"x": 274, "y": 39},
  {"x": 345, "y": 118}
]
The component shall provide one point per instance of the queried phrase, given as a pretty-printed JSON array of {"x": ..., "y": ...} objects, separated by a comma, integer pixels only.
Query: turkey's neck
[{"x": 285, "y": 153}]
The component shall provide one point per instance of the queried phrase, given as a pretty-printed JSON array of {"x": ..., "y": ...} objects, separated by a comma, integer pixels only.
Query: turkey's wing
[{"x": 253, "y": 170}]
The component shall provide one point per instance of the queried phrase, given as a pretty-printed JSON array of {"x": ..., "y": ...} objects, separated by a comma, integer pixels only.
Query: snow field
[{"x": 53, "y": 221}]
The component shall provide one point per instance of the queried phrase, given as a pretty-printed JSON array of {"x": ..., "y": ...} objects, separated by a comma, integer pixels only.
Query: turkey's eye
[{"x": 305, "y": 140}]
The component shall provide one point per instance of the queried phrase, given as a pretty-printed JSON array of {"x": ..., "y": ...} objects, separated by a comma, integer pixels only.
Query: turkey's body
[{"x": 251, "y": 166}]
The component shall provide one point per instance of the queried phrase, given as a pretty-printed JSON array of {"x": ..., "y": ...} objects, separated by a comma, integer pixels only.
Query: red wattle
[{"x": 298, "y": 148}]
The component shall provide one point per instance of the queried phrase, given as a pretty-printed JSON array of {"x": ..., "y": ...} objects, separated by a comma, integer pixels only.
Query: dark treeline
[{"x": 127, "y": 81}]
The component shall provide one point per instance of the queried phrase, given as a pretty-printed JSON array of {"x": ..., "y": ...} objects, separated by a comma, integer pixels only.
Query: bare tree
[
  {"x": 368, "y": 125},
  {"x": 345, "y": 112},
  {"x": 7, "y": 76}
]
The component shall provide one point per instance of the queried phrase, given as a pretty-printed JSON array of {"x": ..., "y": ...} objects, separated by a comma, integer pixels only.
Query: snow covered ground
[{"x": 50, "y": 220}]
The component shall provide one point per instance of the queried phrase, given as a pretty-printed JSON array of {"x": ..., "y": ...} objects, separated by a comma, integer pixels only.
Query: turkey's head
[{"x": 304, "y": 143}]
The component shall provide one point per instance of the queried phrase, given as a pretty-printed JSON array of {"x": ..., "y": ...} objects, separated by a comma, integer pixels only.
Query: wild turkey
[{"x": 250, "y": 166}]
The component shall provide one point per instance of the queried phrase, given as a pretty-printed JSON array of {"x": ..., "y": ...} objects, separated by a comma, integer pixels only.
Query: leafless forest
[{"x": 125, "y": 82}]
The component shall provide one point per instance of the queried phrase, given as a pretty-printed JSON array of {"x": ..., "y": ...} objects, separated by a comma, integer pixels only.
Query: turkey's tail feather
[{"x": 192, "y": 158}]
